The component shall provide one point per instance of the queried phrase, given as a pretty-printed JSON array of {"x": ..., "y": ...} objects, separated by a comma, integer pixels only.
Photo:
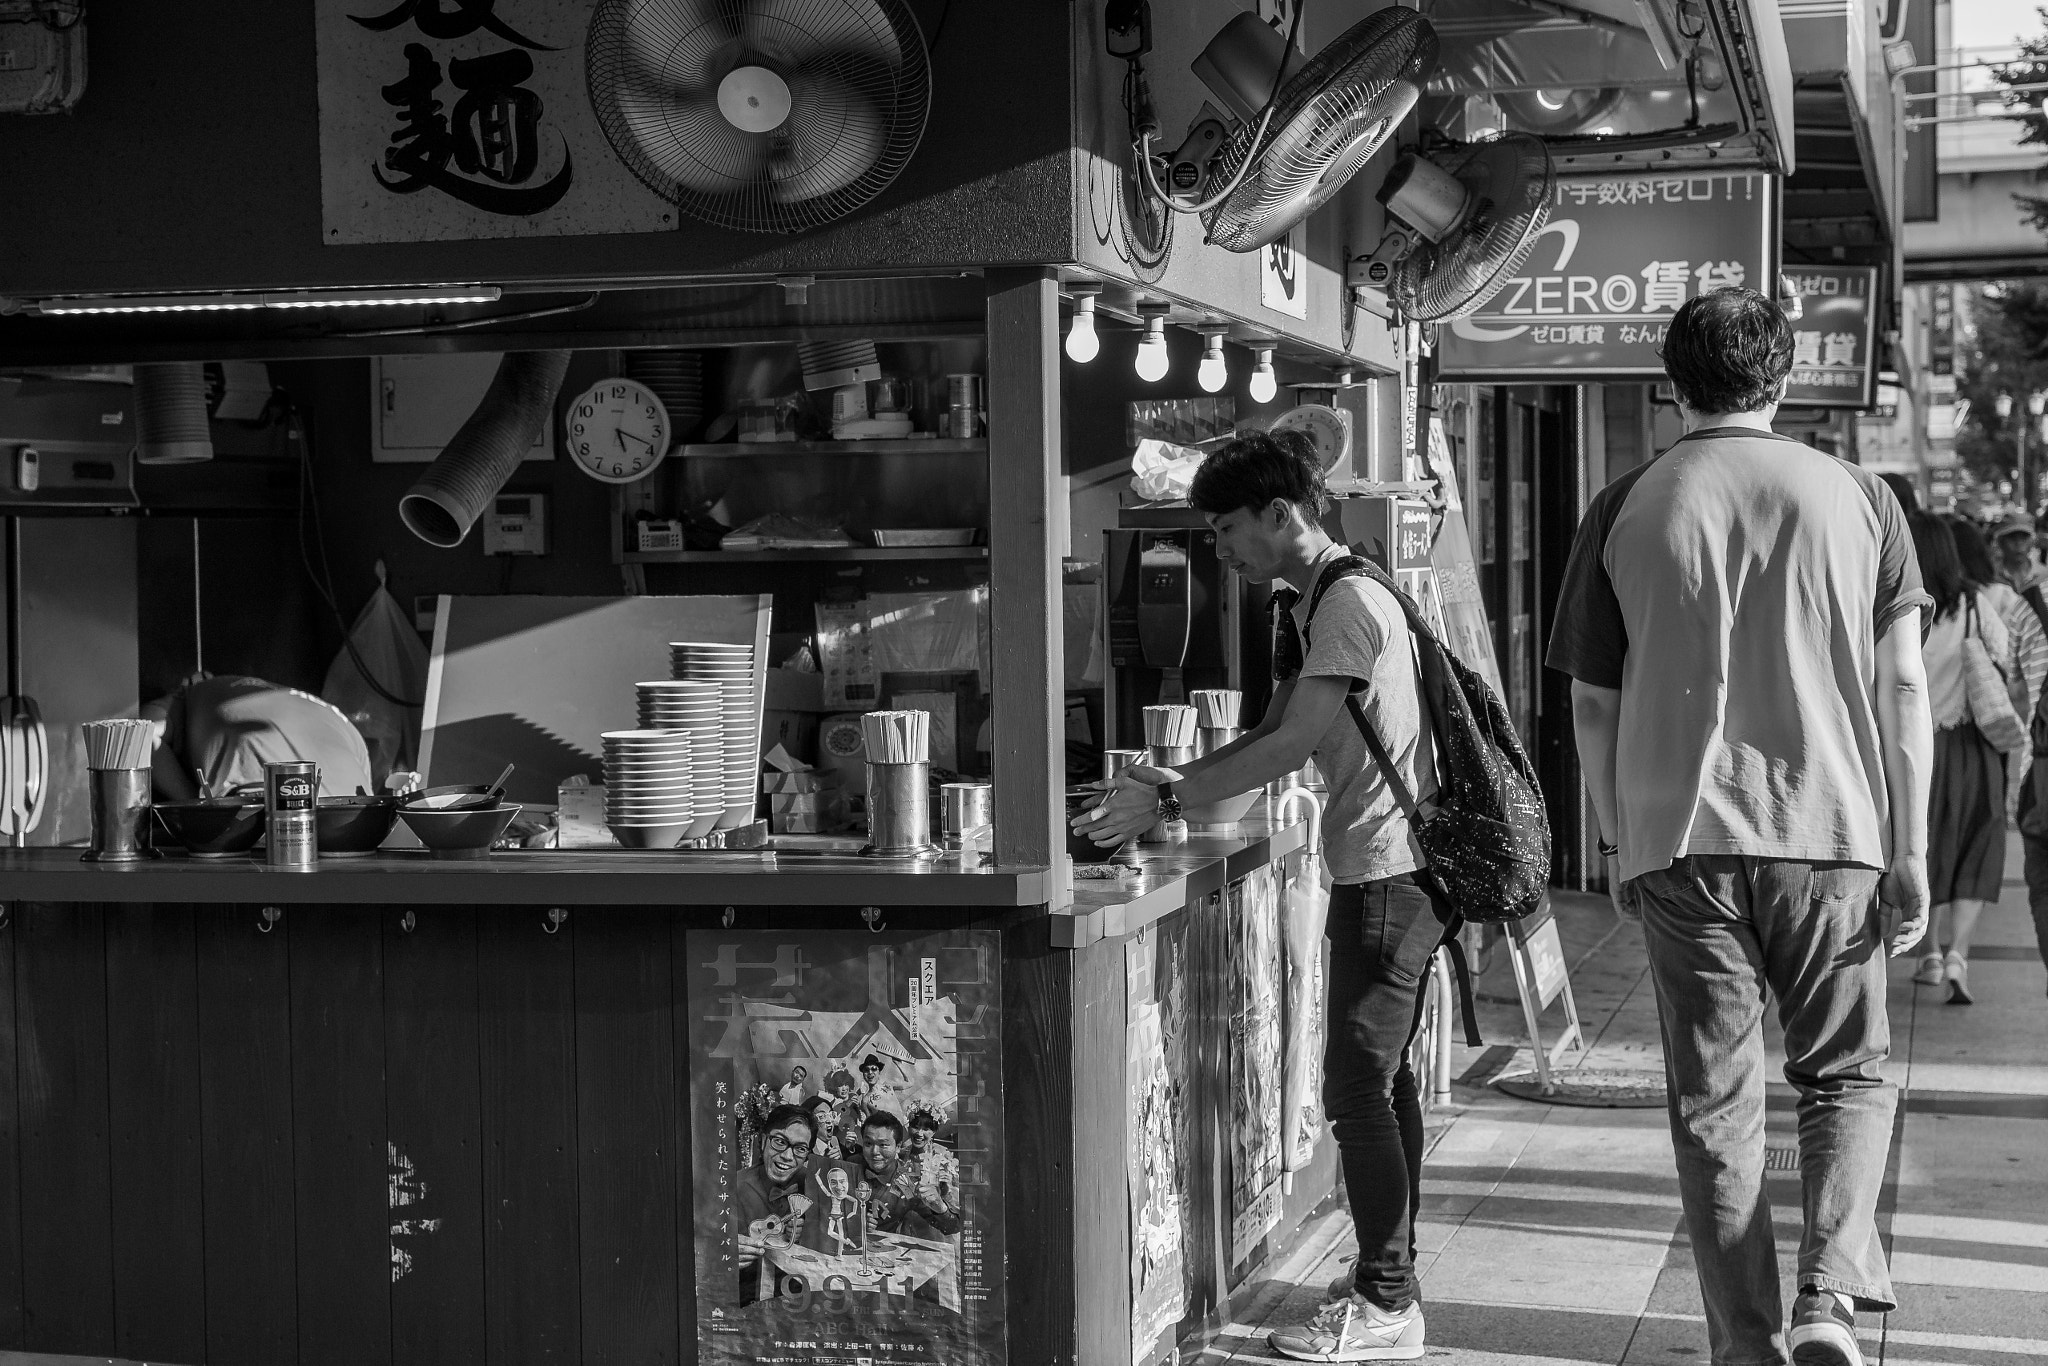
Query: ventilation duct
[
  {"x": 170, "y": 414},
  {"x": 459, "y": 485}
]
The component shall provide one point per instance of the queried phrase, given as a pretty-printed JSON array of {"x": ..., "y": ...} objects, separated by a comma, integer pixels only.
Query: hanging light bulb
[
  {"x": 1152, "y": 360},
  {"x": 1082, "y": 343},
  {"x": 1213, "y": 373},
  {"x": 1263, "y": 387}
]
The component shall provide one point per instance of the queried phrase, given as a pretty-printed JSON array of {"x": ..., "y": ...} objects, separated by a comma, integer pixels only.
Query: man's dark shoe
[{"x": 1823, "y": 1332}]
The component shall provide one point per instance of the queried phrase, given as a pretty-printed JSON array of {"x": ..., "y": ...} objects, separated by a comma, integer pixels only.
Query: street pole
[{"x": 2037, "y": 403}]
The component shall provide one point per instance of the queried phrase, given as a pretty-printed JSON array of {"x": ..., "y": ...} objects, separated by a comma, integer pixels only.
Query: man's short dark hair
[
  {"x": 882, "y": 1119},
  {"x": 782, "y": 1116},
  {"x": 1728, "y": 351},
  {"x": 1254, "y": 469}
]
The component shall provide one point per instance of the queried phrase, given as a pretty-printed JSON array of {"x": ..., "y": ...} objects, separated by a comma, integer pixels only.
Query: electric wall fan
[
  {"x": 760, "y": 115},
  {"x": 1459, "y": 227},
  {"x": 1296, "y": 129}
]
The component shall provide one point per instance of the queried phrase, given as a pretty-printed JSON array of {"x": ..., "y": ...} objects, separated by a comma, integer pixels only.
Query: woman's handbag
[{"x": 1990, "y": 705}]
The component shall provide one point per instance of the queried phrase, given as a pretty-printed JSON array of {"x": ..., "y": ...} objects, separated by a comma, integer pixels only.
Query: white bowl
[
  {"x": 1222, "y": 815},
  {"x": 703, "y": 823},
  {"x": 736, "y": 815},
  {"x": 651, "y": 836}
]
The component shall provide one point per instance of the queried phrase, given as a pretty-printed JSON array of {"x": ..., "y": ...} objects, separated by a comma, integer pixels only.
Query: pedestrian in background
[
  {"x": 2026, "y": 627},
  {"x": 1966, "y": 814},
  {"x": 2014, "y": 543},
  {"x": 1741, "y": 621}
]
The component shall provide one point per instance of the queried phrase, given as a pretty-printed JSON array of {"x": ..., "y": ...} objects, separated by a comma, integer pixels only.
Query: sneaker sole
[
  {"x": 1412, "y": 1353},
  {"x": 1826, "y": 1344}
]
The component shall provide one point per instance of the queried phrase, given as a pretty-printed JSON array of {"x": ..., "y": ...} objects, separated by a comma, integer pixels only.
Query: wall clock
[{"x": 617, "y": 431}]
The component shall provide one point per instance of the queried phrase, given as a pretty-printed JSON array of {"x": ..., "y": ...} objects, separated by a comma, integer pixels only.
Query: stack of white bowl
[
  {"x": 652, "y": 796},
  {"x": 731, "y": 669},
  {"x": 679, "y": 704}
]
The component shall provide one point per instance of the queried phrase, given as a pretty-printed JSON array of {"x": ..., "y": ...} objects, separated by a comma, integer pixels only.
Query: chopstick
[
  {"x": 1216, "y": 708},
  {"x": 1168, "y": 727},
  {"x": 118, "y": 743},
  {"x": 897, "y": 737}
]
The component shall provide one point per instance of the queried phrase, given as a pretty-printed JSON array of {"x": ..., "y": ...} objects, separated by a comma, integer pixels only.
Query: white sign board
[
  {"x": 448, "y": 121},
  {"x": 1283, "y": 275}
]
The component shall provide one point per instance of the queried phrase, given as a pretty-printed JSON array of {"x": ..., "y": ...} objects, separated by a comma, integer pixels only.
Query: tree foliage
[
  {"x": 2030, "y": 68},
  {"x": 2006, "y": 352}
]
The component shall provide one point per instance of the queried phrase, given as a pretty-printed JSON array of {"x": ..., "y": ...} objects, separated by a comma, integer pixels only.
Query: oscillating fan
[
  {"x": 1457, "y": 230},
  {"x": 1301, "y": 128},
  {"x": 760, "y": 115}
]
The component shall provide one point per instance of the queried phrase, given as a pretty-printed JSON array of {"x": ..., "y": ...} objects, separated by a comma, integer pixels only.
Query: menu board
[{"x": 869, "y": 1248}]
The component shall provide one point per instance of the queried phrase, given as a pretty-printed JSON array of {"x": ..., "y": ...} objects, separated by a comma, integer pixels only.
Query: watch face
[{"x": 617, "y": 431}]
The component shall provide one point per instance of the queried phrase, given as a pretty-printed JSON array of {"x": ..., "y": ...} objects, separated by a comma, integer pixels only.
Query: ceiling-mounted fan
[
  {"x": 1458, "y": 225},
  {"x": 1290, "y": 130},
  {"x": 760, "y": 115}
]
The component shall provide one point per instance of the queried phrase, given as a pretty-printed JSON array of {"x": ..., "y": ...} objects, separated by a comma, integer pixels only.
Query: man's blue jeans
[{"x": 1721, "y": 929}]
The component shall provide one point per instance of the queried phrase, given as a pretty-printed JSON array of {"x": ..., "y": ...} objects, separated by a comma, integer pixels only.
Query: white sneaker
[{"x": 1354, "y": 1329}]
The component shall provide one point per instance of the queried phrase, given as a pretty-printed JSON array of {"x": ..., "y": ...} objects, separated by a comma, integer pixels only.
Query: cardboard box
[{"x": 795, "y": 731}]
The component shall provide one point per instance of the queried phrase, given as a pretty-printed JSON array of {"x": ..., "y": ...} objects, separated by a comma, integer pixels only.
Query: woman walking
[{"x": 1966, "y": 816}]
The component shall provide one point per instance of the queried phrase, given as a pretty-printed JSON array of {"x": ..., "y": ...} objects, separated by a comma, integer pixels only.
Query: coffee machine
[{"x": 1176, "y": 619}]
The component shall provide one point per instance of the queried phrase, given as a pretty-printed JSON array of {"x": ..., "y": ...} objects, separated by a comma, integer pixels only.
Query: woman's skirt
[{"x": 1966, "y": 818}]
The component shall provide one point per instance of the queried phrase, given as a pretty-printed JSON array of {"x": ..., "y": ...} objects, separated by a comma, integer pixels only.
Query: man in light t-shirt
[
  {"x": 1741, "y": 621},
  {"x": 1264, "y": 497}
]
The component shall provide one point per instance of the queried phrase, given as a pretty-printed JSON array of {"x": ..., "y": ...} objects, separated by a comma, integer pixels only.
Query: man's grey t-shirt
[
  {"x": 1733, "y": 590},
  {"x": 1360, "y": 632}
]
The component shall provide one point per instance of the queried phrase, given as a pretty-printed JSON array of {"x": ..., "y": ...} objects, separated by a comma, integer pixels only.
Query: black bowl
[
  {"x": 354, "y": 825},
  {"x": 458, "y": 834},
  {"x": 1080, "y": 848},
  {"x": 214, "y": 827}
]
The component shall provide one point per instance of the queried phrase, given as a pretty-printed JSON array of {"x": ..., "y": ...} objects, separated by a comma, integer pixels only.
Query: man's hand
[
  {"x": 1625, "y": 908},
  {"x": 1130, "y": 809},
  {"x": 1902, "y": 899},
  {"x": 750, "y": 1249}
]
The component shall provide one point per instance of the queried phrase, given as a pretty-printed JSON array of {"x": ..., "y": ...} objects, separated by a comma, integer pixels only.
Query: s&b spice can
[{"x": 291, "y": 794}]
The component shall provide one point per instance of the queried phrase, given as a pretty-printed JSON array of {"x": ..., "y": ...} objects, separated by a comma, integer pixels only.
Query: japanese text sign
[
  {"x": 1832, "y": 338},
  {"x": 450, "y": 120},
  {"x": 1618, "y": 257}
]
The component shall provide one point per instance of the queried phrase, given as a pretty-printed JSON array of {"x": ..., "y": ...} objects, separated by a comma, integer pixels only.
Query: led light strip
[{"x": 307, "y": 298}]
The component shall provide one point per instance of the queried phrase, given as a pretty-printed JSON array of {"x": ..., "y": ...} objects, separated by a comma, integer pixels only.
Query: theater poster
[{"x": 846, "y": 1121}]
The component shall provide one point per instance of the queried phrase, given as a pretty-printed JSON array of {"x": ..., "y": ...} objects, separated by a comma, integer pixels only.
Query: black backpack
[{"x": 1488, "y": 843}]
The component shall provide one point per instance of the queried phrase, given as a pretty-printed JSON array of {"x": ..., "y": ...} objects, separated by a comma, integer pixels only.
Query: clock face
[{"x": 617, "y": 431}]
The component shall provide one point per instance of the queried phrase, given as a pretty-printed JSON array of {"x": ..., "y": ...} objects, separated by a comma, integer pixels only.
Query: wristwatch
[{"x": 1169, "y": 805}]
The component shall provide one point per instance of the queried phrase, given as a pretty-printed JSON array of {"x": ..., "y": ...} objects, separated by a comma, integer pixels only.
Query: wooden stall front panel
[{"x": 430, "y": 1136}]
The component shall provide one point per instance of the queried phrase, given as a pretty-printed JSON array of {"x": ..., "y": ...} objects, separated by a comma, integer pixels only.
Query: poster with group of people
[
  {"x": 846, "y": 1117},
  {"x": 1255, "y": 1062}
]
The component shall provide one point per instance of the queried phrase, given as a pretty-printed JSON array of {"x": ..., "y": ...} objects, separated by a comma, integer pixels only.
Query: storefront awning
[
  {"x": 1839, "y": 203},
  {"x": 1617, "y": 85}
]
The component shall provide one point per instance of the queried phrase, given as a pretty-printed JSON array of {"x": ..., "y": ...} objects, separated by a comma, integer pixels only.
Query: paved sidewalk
[{"x": 1554, "y": 1235}]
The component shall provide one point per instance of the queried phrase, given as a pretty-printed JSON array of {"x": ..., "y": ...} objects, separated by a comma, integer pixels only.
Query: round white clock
[{"x": 618, "y": 431}]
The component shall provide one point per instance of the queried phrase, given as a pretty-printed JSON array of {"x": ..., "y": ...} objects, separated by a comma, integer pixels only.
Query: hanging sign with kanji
[
  {"x": 1833, "y": 337},
  {"x": 1618, "y": 257},
  {"x": 449, "y": 120}
]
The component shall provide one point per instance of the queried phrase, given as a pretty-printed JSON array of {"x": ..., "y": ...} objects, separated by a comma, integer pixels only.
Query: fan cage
[
  {"x": 1515, "y": 179},
  {"x": 715, "y": 34},
  {"x": 1331, "y": 117}
]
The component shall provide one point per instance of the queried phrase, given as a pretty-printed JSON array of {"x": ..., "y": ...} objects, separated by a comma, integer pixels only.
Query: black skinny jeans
[{"x": 1381, "y": 937}]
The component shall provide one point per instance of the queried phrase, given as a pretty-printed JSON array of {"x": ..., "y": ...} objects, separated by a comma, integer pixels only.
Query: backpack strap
[{"x": 2033, "y": 598}]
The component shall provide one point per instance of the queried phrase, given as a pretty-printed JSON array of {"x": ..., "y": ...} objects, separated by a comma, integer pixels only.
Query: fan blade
[
  {"x": 833, "y": 137},
  {"x": 794, "y": 33},
  {"x": 681, "y": 47},
  {"x": 1514, "y": 180},
  {"x": 689, "y": 142}
]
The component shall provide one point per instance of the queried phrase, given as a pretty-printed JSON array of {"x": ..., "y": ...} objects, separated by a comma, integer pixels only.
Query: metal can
[
  {"x": 963, "y": 404},
  {"x": 291, "y": 796}
]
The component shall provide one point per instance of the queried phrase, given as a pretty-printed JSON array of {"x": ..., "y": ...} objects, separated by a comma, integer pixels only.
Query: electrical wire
[
  {"x": 430, "y": 329},
  {"x": 323, "y": 578},
  {"x": 1258, "y": 138}
]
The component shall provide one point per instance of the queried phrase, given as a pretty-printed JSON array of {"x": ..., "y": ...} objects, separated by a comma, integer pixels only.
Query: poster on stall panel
[
  {"x": 1304, "y": 912},
  {"x": 834, "y": 1242},
  {"x": 1155, "y": 1122},
  {"x": 1255, "y": 1063}
]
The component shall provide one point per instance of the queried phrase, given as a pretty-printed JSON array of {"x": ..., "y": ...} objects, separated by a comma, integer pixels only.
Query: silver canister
[
  {"x": 1209, "y": 739},
  {"x": 966, "y": 810},
  {"x": 120, "y": 816},
  {"x": 963, "y": 404},
  {"x": 1170, "y": 756},
  {"x": 291, "y": 798},
  {"x": 900, "y": 810},
  {"x": 1115, "y": 761}
]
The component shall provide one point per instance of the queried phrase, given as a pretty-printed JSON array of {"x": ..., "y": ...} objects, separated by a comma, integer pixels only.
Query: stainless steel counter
[{"x": 1169, "y": 876}]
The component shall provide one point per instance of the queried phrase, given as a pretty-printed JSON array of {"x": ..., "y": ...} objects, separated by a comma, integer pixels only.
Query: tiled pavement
[{"x": 1553, "y": 1235}]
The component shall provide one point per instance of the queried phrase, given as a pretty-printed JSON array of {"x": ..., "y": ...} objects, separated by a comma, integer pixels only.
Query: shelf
[
  {"x": 852, "y": 552},
  {"x": 744, "y": 450}
]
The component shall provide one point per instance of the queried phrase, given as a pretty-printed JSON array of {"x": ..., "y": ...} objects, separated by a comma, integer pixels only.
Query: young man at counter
[{"x": 1263, "y": 495}]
